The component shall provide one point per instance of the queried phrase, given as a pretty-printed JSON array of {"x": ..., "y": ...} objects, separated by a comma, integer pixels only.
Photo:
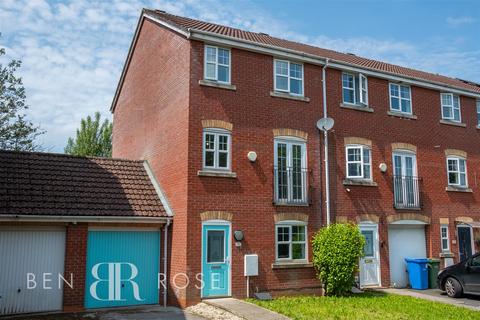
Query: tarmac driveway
[{"x": 133, "y": 313}]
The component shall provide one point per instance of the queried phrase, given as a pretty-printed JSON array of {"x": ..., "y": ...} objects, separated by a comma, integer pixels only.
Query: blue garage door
[{"x": 122, "y": 268}]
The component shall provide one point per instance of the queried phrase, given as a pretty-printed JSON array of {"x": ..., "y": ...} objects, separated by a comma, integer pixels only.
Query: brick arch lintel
[
  {"x": 368, "y": 218},
  {"x": 455, "y": 152},
  {"x": 290, "y": 133},
  {"x": 404, "y": 146},
  {"x": 408, "y": 216},
  {"x": 216, "y": 215},
  {"x": 283, "y": 216},
  {"x": 357, "y": 140},
  {"x": 217, "y": 124}
]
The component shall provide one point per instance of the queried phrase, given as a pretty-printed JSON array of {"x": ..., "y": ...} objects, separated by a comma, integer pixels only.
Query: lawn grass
[{"x": 365, "y": 306}]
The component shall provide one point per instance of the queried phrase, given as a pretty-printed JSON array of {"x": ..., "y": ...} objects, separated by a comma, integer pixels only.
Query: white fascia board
[
  {"x": 167, "y": 25},
  {"x": 214, "y": 38},
  {"x": 158, "y": 189},
  {"x": 97, "y": 219}
]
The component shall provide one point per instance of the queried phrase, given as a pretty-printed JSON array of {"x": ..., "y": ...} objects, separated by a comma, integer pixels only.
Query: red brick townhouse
[
  {"x": 68, "y": 224},
  {"x": 227, "y": 120}
]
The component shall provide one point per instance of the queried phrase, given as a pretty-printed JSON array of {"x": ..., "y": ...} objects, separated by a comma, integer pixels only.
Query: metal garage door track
[{"x": 245, "y": 310}]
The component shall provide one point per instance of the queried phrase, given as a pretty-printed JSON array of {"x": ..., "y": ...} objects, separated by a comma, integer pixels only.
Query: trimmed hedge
[{"x": 336, "y": 253}]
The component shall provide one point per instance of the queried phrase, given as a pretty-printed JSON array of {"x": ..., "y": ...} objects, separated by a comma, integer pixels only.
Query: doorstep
[{"x": 244, "y": 309}]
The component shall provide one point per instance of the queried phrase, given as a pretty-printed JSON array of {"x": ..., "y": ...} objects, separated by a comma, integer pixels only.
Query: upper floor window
[
  {"x": 290, "y": 171},
  {"x": 217, "y": 64},
  {"x": 359, "y": 162},
  {"x": 451, "y": 107},
  {"x": 216, "y": 149},
  {"x": 478, "y": 113},
  {"x": 288, "y": 77},
  {"x": 291, "y": 243},
  {"x": 444, "y": 238},
  {"x": 355, "y": 88},
  {"x": 457, "y": 172},
  {"x": 400, "y": 98}
]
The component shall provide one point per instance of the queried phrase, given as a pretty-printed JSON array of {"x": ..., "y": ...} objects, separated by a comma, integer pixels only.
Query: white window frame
[
  {"x": 363, "y": 80},
  {"x": 442, "y": 238},
  {"x": 288, "y": 77},
  {"x": 361, "y": 161},
  {"x": 216, "y": 63},
  {"x": 290, "y": 141},
  {"x": 399, "y": 97},
  {"x": 452, "y": 107},
  {"x": 358, "y": 99},
  {"x": 216, "y": 133},
  {"x": 478, "y": 113},
  {"x": 458, "y": 172},
  {"x": 290, "y": 224}
]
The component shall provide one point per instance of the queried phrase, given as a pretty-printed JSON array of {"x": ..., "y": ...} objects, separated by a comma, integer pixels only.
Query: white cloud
[
  {"x": 73, "y": 51},
  {"x": 458, "y": 21}
]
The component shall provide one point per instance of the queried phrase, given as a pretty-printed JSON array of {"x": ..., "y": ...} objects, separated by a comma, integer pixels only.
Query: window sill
[
  {"x": 359, "y": 182},
  {"x": 458, "y": 189},
  {"x": 220, "y": 174},
  {"x": 400, "y": 208},
  {"x": 291, "y": 265},
  {"x": 453, "y": 123},
  {"x": 214, "y": 84},
  {"x": 285, "y": 95},
  {"x": 285, "y": 204},
  {"x": 446, "y": 255},
  {"x": 356, "y": 107},
  {"x": 402, "y": 115}
]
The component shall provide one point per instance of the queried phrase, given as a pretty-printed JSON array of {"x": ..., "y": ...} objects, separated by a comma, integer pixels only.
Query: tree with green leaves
[
  {"x": 94, "y": 138},
  {"x": 16, "y": 132}
]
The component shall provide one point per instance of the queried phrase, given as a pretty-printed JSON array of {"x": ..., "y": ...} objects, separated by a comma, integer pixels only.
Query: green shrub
[{"x": 336, "y": 252}]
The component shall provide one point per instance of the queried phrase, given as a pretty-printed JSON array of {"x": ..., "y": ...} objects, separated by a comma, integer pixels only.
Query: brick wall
[
  {"x": 151, "y": 122},
  {"x": 431, "y": 139},
  {"x": 159, "y": 116},
  {"x": 75, "y": 263}
]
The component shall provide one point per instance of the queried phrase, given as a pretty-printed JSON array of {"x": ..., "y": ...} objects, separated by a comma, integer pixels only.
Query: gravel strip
[{"x": 211, "y": 312}]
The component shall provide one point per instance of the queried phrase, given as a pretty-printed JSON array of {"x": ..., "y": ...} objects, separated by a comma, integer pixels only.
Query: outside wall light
[
  {"x": 383, "y": 167},
  {"x": 238, "y": 235},
  {"x": 252, "y": 156}
]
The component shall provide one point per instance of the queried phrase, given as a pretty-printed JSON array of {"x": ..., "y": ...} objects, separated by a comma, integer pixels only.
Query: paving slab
[
  {"x": 132, "y": 313},
  {"x": 245, "y": 310},
  {"x": 470, "y": 302}
]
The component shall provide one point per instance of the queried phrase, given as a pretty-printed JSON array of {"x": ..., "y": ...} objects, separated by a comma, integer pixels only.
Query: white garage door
[
  {"x": 405, "y": 241},
  {"x": 31, "y": 251}
]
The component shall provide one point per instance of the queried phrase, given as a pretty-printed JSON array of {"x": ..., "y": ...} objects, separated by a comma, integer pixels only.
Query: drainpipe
[
  {"x": 165, "y": 259},
  {"x": 325, "y": 142}
]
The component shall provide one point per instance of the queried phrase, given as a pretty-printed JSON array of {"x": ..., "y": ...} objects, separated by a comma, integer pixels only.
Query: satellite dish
[{"x": 325, "y": 124}]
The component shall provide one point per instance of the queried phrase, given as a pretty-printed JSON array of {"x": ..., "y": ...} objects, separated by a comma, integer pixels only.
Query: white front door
[{"x": 370, "y": 262}]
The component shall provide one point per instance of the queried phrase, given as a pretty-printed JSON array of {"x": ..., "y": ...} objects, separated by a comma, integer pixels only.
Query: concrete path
[
  {"x": 245, "y": 310},
  {"x": 132, "y": 313},
  {"x": 470, "y": 302}
]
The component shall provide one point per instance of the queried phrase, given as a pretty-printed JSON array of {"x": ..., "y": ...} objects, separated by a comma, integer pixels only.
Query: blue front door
[
  {"x": 216, "y": 260},
  {"x": 122, "y": 268}
]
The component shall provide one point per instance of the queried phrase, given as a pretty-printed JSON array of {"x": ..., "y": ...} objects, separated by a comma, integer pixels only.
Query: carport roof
[{"x": 47, "y": 184}]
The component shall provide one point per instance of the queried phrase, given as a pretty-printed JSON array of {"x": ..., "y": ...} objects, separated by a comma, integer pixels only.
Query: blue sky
[{"x": 73, "y": 51}]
